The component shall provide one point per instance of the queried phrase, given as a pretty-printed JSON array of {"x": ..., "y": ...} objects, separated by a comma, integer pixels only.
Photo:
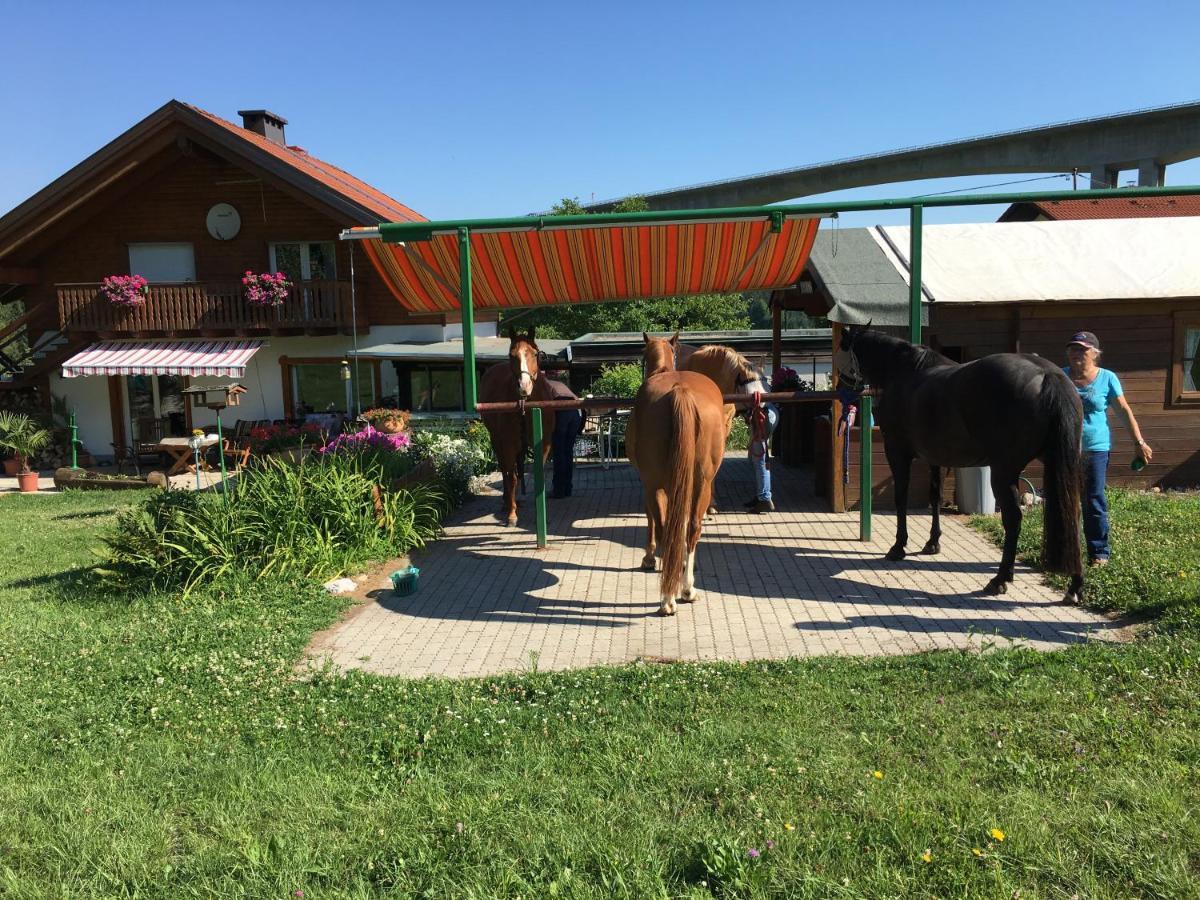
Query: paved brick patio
[{"x": 793, "y": 583}]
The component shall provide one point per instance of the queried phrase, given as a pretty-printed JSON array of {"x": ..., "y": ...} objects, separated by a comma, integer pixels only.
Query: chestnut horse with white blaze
[
  {"x": 675, "y": 440},
  {"x": 511, "y": 432}
]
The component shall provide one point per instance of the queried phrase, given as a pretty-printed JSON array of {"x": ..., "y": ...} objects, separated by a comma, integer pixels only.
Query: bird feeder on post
[{"x": 216, "y": 397}]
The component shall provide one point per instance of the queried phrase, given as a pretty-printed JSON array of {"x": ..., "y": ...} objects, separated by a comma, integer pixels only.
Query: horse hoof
[
  {"x": 996, "y": 586},
  {"x": 511, "y": 521},
  {"x": 649, "y": 564},
  {"x": 712, "y": 511},
  {"x": 689, "y": 597},
  {"x": 932, "y": 548},
  {"x": 667, "y": 608},
  {"x": 1070, "y": 598},
  {"x": 895, "y": 554}
]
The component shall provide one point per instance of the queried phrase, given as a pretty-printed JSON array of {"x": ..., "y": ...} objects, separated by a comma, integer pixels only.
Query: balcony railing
[{"x": 310, "y": 305}]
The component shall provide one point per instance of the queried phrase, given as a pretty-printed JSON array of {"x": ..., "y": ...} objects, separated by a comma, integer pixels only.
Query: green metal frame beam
[{"x": 398, "y": 232}]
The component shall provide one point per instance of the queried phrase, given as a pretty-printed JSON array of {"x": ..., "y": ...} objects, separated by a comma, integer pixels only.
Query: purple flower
[
  {"x": 368, "y": 438},
  {"x": 770, "y": 845},
  {"x": 752, "y": 853}
]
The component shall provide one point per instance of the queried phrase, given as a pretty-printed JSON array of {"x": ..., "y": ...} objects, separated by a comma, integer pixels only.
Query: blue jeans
[
  {"x": 758, "y": 456},
  {"x": 567, "y": 425},
  {"x": 1095, "y": 504}
]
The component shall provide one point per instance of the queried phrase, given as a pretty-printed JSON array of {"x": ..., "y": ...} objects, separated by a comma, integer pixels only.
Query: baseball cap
[{"x": 1085, "y": 339}]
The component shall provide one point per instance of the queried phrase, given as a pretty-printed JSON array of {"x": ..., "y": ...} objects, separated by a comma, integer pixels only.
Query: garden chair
[
  {"x": 148, "y": 433},
  {"x": 123, "y": 456},
  {"x": 237, "y": 453}
]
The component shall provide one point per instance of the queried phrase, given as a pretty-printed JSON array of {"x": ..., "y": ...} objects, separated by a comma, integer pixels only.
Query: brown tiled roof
[
  {"x": 354, "y": 190},
  {"x": 1118, "y": 208}
]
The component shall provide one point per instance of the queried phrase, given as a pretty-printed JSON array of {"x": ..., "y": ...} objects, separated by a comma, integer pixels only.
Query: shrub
[
  {"x": 739, "y": 435},
  {"x": 455, "y": 459},
  {"x": 317, "y": 519},
  {"x": 618, "y": 381}
]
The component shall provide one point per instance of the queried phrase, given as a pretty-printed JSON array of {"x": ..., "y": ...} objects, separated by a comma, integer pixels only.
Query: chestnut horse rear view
[
  {"x": 675, "y": 440},
  {"x": 512, "y": 381}
]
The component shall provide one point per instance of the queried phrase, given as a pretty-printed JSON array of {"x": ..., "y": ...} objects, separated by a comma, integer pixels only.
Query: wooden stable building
[{"x": 1026, "y": 287}]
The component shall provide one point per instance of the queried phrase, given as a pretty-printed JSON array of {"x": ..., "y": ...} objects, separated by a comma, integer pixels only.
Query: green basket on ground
[{"x": 404, "y": 581}]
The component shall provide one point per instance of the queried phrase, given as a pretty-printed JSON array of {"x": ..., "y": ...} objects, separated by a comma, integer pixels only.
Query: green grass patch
[
  {"x": 1155, "y": 567},
  {"x": 156, "y": 746}
]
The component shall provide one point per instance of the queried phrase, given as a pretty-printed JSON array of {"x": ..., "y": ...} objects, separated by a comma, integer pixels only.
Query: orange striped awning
[{"x": 522, "y": 268}]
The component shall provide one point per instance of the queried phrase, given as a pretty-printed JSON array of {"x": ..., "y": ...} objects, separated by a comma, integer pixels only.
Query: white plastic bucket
[{"x": 973, "y": 490}]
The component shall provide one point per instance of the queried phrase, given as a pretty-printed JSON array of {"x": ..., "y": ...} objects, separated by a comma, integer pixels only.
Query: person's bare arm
[{"x": 1134, "y": 431}]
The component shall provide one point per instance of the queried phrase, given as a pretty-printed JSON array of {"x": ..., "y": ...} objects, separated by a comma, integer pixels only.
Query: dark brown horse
[
  {"x": 675, "y": 440},
  {"x": 1001, "y": 411},
  {"x": 512, "y": 433}
]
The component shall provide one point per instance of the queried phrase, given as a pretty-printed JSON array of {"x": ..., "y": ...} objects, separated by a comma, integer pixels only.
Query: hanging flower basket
[
  {"x": 266, "y": 289},
  {"x": 125, "y": 290}
]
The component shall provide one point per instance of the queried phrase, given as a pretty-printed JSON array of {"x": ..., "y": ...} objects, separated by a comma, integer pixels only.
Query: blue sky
[{"x": 480, "y": 109}]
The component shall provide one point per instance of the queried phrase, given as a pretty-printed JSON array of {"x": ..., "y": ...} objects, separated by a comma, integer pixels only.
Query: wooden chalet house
[{"x": 191, "y": 202}]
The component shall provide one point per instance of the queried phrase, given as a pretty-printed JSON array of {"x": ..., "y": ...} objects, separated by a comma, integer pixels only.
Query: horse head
[
  {"x": 659, "y": 354},
  {"x": 846, "y": 358},
  {"x": 523, "y": 360}
]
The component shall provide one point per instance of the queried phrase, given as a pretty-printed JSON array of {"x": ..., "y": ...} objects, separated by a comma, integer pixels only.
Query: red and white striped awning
[{"x": 226, "y": 358}]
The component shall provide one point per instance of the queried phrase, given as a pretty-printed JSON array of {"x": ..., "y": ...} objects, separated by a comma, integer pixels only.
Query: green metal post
[
  {"x": 914, "y": 262},
  {"x": 468, "y": 317},
  {"x": 221, "y": 451},
  {"x": 539, "y": 478},
  {"x": 864, "y": 469},
  {"x": 74, "y": 442}
]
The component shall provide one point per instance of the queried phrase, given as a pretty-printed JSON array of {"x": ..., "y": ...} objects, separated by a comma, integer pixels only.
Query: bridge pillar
[
  {"x": 1103, "y": 176},
  {"x": 1151, "y": 173}
]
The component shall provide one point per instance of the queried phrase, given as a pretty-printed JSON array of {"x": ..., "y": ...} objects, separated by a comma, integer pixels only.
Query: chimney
[{"x": 264, "y": 122}]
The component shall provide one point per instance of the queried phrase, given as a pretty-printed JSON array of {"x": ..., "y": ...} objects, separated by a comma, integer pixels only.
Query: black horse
[{"x": 1000, "y": 411}]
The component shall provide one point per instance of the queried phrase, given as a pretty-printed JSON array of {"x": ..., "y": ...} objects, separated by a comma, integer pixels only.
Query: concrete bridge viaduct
[{"x": 1147, "y": 140}]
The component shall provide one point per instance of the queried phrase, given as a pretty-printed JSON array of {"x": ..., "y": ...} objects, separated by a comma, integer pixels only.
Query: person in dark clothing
[{"x": 567, "y": 425}]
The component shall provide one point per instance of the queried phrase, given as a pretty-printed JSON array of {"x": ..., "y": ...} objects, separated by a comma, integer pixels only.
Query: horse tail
[
  {"x": 1063, "y": 460},
  {"x": 681, "y": 462}
]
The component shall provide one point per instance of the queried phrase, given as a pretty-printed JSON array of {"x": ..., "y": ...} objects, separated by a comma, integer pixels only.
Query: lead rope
[
  {"x": 849, "y": 401},
  {"x": 758, "y": 428}
]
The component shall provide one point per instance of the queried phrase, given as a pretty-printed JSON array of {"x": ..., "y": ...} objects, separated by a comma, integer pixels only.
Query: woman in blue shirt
[{"x": 1098, "y": 389}]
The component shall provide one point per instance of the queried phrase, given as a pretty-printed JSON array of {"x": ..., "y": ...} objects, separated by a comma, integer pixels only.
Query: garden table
[{"x": 181, "y": 453}]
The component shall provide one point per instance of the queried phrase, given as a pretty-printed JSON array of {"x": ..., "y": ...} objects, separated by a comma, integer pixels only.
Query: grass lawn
[{"x": 152, "y": 746}]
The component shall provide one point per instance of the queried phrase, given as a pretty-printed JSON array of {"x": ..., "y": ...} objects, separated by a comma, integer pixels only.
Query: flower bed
[
  {"x": 82, "y": 479},
  {"x": 268, "y": 438}
]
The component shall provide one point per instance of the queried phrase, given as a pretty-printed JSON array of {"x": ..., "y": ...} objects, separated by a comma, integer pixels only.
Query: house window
[
  {"x": 319, "y": 388},
  {"x": 304, "y": 261},
  {"x": 435, "y": 388},
  {"x": 163, "y": 263},
  {"x": 1185, "y": 377}
]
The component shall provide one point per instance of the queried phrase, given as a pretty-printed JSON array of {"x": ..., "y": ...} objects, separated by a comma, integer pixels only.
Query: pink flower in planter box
[
  {"x": 125, "y": 290},
  {"x": 266, "y": 289}
]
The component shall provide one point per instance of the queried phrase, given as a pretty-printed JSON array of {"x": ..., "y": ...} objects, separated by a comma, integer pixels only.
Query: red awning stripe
[
  {"x": 537, "y": 268},
  {"x": 223, "y": 358}
]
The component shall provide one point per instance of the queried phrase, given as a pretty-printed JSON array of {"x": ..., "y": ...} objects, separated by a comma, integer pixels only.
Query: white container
[{"x": 973, "y": 490}]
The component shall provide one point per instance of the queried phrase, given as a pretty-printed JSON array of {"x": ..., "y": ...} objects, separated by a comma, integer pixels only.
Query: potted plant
[
  {"x": 387, "y": 420},
  {"x": 12, "y": 466},
  {"x": 266, "y": 289},
  {"x": 125, "y": 290},
  {"x": 24, "y": 437}
]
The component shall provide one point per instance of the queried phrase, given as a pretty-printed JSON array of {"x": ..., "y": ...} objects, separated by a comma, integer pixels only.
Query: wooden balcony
[{"x": 312, "y": 307}]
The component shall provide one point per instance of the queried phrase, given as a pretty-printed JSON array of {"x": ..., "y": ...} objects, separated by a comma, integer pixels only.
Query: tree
[{"x": 703, "y": 312}]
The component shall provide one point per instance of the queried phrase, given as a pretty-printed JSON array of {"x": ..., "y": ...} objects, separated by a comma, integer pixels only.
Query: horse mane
[
  {"x": 722, "y": 364},
  {"x": 898, "y": 354}
]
